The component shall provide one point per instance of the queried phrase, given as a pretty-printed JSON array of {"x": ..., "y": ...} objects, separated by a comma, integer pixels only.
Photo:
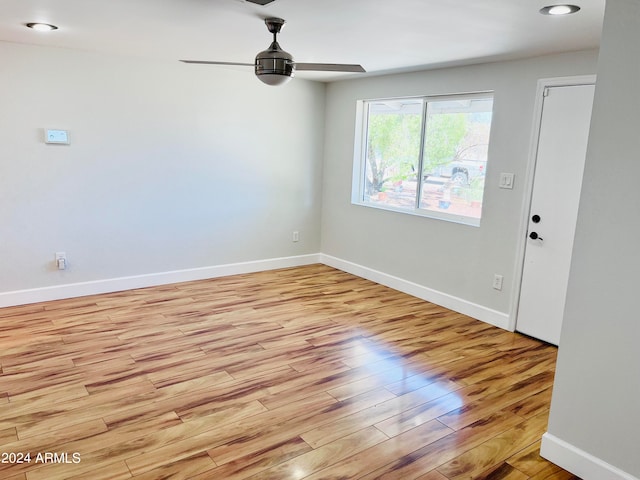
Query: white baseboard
[
  {"x": 456, "y": 304},
  {"x": 58, "y": 292},
  {"x": 579, "y": 462}
]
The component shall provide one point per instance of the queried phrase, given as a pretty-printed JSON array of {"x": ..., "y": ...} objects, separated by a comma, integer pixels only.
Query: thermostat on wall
[{"x": 56, "y": 136}]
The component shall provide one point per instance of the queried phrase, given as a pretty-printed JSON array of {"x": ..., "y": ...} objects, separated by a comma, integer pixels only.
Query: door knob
[
  {"x": 535, "y": 219},
  {"x": 535, "y": 236}
]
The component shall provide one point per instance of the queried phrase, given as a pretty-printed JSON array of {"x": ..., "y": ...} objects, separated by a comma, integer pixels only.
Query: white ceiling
[{"x": 383, "y": 36}]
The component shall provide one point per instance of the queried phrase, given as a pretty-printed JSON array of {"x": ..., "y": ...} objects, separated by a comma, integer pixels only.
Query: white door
[{"x": 562, "y": 146}]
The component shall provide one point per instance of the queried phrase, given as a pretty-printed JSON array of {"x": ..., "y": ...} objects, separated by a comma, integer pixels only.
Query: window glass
[
  {"x": 455, "y": 156},
  {"x": 393, "y": 152},
  {"x": 426, "y": 156}
]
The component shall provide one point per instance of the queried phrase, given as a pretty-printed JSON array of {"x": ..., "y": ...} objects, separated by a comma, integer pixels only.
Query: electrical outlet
[
  {"x": 296, "y": 236},
  {"x": 61, "y": 260},
  {"x": 497, "y": 282}
]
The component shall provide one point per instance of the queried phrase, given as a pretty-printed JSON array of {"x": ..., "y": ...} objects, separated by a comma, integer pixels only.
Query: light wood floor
[{"x": 303, "y": 373}]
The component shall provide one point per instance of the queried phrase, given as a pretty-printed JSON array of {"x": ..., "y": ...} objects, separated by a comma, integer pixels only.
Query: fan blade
[
  {"x": 205, "y": 62},
  {"x": 330, "y": 67}
]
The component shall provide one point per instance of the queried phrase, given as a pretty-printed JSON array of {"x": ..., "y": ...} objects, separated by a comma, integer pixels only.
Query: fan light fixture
[
  {"x": 42, "y": 27},
  {"x": 563, "y": 9},
  {"x": 274, "y": 66}
]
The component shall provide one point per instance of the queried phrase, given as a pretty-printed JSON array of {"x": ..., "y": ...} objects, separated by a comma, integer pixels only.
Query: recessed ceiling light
[
  {"x": 559, "y": 9},
  {"x": 42, "y": 27}
]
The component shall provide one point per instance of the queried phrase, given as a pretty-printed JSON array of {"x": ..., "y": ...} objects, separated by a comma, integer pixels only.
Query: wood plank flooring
[{"x": 302, "y": 373}]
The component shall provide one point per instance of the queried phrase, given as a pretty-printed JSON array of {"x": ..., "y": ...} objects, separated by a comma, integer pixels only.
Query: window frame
[{"x": 360, "y": 150}]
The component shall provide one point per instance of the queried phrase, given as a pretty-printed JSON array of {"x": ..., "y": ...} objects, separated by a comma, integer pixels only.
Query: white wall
[
  {"x": 594, "y": 427},
  {"x": 170, "y": 167},
  {"x": 444, "y": 258}
]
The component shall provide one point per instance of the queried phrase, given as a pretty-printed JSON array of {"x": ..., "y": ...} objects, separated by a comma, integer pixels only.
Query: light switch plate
[
  {"x": 56, "y": 136},
  {"x": 506, "y": 180}
]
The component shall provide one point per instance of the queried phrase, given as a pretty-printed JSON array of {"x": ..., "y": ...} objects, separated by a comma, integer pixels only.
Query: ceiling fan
[{"x": 274, "y": 66}]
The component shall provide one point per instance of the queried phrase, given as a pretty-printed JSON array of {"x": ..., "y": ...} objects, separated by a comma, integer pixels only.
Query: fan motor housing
[{"x": 274, "y": 66}]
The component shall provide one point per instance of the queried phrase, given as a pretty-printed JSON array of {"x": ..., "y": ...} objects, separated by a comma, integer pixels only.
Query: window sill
[{"x": 420, "y": 212}]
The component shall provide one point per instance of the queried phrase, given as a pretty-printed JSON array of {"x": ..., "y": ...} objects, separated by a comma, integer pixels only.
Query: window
[{"x": 424, "y": 155}]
